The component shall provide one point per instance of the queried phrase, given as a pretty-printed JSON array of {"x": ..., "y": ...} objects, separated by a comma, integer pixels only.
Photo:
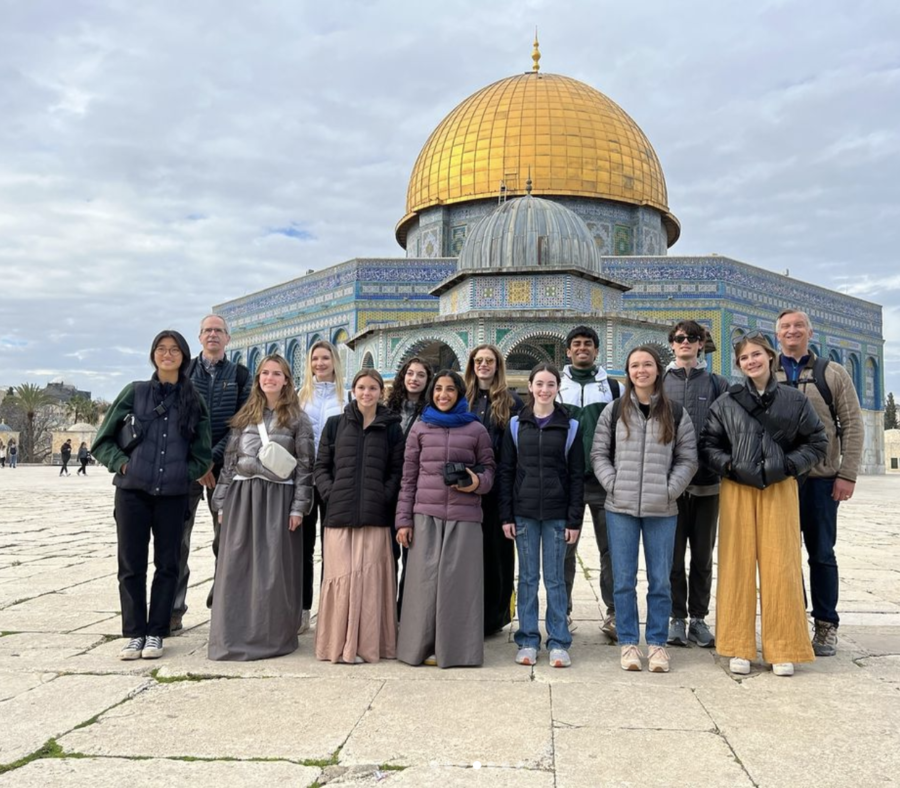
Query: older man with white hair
[{"x": 830, "y": 389}]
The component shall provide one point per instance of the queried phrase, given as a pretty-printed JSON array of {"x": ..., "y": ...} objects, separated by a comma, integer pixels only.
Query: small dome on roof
[{"x": 529, "y": 231}]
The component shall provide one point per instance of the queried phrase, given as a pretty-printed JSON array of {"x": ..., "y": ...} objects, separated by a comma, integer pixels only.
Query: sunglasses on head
[
  {"x": 679, "y": 338},
  {"x": 754, "y": 334}
]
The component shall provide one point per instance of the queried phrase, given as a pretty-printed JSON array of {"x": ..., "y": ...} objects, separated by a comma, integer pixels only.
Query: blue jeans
[
  {"x": 659, "y": 544},
  {"x": 534, "y": 538},
  {"x": 818, "y": 522}
]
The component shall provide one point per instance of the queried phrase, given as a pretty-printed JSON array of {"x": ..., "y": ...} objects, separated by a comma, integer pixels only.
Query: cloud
[{"x": 156, "y": 156}]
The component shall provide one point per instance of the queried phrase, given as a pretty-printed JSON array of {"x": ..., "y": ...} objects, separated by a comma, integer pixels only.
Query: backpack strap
[
  {"x": 613, "y": 421},
  {"x": 573, "y": 432},
  {"x": 514, "y": 431},
  {"x": 614, "y": 388},
  {"x": 819, "y": 367}
]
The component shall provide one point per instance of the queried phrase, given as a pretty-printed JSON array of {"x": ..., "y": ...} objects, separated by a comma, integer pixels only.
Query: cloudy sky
[{"x": 159, "y": 157}]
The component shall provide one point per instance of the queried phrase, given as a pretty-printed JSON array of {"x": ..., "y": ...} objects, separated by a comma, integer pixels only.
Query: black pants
[
  {"x": 697, "y": 518},
  {"x": 598, "y": 515},
  {"x": 65, "y": 467},
  {"x": 309, "y": 548},
  {"x": 83, "y": 468},
  {"x": 184, "y": 571},
  {"x": 138, "y": 516},
  {"x": 499, "y": 559}
]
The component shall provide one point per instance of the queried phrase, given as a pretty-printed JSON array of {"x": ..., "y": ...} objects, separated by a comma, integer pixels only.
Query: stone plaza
[{"x": 72, "y": 714}]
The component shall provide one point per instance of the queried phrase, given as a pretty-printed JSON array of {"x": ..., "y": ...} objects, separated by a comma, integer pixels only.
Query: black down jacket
[
  {"x": 358, "y": 470},
  {"x": 538, "y": 480},
  {"x": 737, "y": 446}
]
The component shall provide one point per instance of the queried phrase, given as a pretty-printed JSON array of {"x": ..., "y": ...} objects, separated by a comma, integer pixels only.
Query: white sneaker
[
  {"x": 304, "y": 622},
  {"x": 739, "y": 666},
  {"x": 783, "y": 668}
]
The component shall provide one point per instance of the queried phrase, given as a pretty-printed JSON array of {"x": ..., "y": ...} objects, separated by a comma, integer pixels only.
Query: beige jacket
[{"x": 846, "y": 403}]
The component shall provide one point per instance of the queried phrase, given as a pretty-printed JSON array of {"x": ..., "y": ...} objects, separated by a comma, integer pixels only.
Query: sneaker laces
[
  {"x": 135, "y": 644},
  {"x": 631, "y": 652},
  {"x": 154, "y": 641}
]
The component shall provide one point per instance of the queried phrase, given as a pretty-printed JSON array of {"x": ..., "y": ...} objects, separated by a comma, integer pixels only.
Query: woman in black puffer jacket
[
  {"x": 761, "y": 453},
  {"x": 358, "y": 471}
]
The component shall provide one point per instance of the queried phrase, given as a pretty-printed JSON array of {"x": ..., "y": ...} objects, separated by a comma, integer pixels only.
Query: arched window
[
  {"x": 873, "y": 385},
  {"x": 254, "y": 361},
  {"x": 297, "y": 359},
  {"x": 368, "y": 361}
]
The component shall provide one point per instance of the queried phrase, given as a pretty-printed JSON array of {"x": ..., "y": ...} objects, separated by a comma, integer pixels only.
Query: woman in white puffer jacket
[{"x": 321, "y": 396}]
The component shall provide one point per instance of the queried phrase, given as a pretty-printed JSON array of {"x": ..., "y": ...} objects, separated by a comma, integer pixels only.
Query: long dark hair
[
  {"x": 659, "y": 406},
  {"x": 457, "y": 382},
  {"x": 399, "y": 394},
  {"x": 188, "y": 399}
]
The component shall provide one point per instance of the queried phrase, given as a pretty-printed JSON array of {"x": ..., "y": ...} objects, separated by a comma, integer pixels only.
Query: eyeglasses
[
  {"x": 754, "y": 334},
  {"x": 213, "y": 331},
  {"x": 679, "y": 338},
  {"x": 167, "y": 351}
]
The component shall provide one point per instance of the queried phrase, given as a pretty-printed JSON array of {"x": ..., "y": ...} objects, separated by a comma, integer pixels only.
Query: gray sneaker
[
  {"x": 677, "y": 633},
  {"x": 699, "y": 633},
  {"x": 825, "y": 639},
  {"x": 608, "y": 627}
]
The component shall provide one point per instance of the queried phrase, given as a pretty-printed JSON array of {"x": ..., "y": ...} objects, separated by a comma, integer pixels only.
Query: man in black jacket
[
  {"x": 224, "y": 386},
  {"x": 692, "y": 386}
]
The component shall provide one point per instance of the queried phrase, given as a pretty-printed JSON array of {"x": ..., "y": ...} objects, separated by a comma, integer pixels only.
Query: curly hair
[{"x": 399, "y": 394}]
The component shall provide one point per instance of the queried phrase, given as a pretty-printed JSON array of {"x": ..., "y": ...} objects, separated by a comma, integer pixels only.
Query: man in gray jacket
[{"x": 692, "y": 386}]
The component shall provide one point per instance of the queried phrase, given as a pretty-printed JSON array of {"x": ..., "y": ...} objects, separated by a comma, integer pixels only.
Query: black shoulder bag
[{"x": 131, "y": 431}]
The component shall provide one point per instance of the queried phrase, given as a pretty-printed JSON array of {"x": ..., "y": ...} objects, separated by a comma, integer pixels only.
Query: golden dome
[{"x": 574, "y": 141}]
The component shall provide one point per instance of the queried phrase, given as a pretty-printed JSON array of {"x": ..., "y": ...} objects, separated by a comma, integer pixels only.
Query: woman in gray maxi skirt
[
  {"x": 440, "y": 522},
  {"x": 259, "y": 574}
]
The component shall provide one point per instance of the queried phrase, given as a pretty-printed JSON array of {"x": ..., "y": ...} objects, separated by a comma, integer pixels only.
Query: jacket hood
[
  {"x": 600, "y": 374},
  {"x": 701, "y": 364}
]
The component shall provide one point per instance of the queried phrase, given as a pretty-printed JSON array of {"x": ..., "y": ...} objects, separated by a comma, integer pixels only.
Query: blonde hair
[
  {"x": 307, "y": 391},
  {"x": 287, "y": 409},
  {"x": 498, "y": 392}
]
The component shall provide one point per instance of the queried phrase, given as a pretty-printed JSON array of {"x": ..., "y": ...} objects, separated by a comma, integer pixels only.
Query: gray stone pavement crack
[{"x": 720, "y": 733}]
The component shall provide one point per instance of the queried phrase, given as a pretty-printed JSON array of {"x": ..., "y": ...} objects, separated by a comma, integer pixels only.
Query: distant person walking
[
  {"x": 65, "y": 454},
  {"x": 84, "y": 457},
  {"x": 2, "y": 454},
  {"x": 153, "y": 480},
  {"x": 13, "y": 454}
]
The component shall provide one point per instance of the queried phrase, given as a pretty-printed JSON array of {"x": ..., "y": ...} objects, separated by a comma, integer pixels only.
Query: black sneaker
[
  {"x": 133, "y": 649},
  {"x": 177, "y": 623},
  {"x": 677, "y": 632},
  {"x": 699, "y": 633},
  {"x": 825, "y": 639},
  {"x": 153, "y": 647}
]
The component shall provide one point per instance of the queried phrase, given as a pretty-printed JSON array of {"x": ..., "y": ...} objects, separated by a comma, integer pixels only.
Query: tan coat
[{"x": 846, "y": 404}]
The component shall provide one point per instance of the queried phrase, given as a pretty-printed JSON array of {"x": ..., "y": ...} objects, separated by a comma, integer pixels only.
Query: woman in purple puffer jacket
[{"x": 443, "y": 599}]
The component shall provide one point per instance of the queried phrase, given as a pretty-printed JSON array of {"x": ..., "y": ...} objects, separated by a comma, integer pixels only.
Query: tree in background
[
  {"x": 890, "y": 413},
  {"x": 32, "y": 406},
  {"x": 80, "y": 408}
]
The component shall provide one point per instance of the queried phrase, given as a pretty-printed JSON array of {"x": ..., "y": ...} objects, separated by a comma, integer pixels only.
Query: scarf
[{"x": 457, "y": 417}]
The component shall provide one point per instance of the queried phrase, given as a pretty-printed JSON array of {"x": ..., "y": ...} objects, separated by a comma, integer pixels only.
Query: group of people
[
  {"x": 425, "y": 496},
  {"x": 11, "y": 451},
  {"x": 65, "y": 456}
]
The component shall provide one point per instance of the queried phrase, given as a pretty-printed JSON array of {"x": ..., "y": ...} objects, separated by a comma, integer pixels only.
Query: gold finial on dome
[
  {"x": 536, "y": 54},
  {"x": 528, "y": 183}
]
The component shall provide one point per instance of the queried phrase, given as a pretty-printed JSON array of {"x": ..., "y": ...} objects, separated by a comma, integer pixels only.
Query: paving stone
[
  {"x": 445, "y": 777},
  {"x": 28, "y": 720},
  {"x": 46, "y": 616},
  {"x": 588, "y": 757},
  {"x": 221, "y": 718},
  {"x": 118, "y": 772},
  {"x": 434, "y": 722},
  {"x": 621, "y": 706},
  {"x": 13, "y": 684},
  {"x": 42, "y": 650},
  {"x": 808, "y": 728}
]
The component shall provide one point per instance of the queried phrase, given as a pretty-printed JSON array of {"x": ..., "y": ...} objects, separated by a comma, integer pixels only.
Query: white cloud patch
[{"x": 162, "y": 157}]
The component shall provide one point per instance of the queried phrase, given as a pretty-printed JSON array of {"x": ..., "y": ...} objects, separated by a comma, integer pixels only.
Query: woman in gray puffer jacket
[
  {"x": 259, "y": 573},
  {"x": 443, "y": 604},
  {"x": 644, "y": 462}
]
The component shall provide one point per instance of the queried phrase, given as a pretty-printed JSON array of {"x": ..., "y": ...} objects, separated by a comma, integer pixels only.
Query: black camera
[{"x": 457, "y": 473}]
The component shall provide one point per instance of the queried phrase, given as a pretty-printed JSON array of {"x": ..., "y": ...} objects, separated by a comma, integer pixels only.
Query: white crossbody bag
[{"x": 274, "y": 457}]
